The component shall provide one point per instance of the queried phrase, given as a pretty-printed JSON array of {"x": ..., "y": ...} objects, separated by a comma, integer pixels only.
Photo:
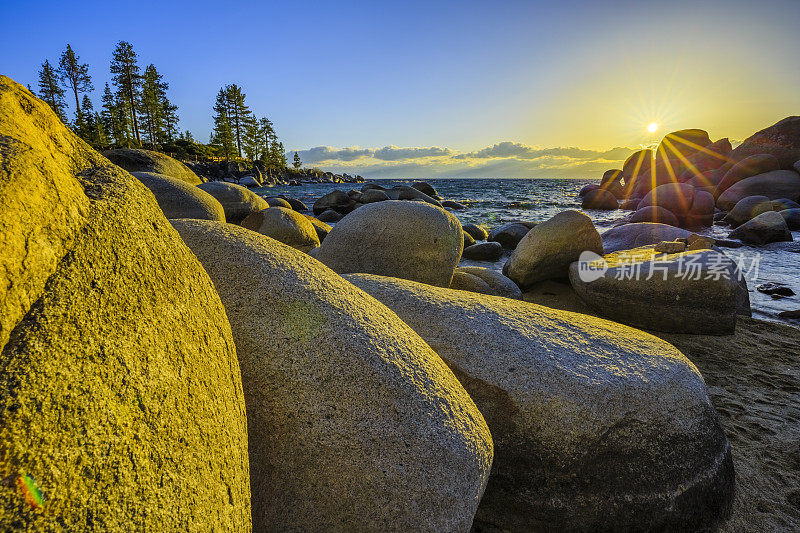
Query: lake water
[{"x": 493, "y": 202}]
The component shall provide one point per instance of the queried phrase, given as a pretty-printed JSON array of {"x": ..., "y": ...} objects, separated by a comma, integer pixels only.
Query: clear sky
[{"x": 463, "y": 88}]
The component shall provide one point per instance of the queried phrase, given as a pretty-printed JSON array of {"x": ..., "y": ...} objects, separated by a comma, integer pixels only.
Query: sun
[{"x": 652, "y": 127}]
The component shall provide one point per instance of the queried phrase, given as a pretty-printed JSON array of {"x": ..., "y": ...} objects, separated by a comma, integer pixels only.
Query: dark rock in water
[
  {"x": 329, "y": 215},
  {"x": 611, "y": 176},
  {"x": 179, "y": 199},
  {"x": 237, "y": 201},
  {"x": 368, "y": 186},
  {"x": 284, "y": 225},
  {"x": 337, "y": 200},
  {"x": 677, "y": 292},
  {"x": 784, "y": 203},
  {"x": 792, "y": 218},
  {"x": 373, "y": 195},
  {"x": 781, "y": 140},
  {"x": 775, "y": 289},
  {"x": 765, "y": 228},
  {"x": 452, "y": 204},
  {"x": 137, "y": 160},
  {"x": 727, "y": 243},
  {"x": 120, "y": 389},
  {"x": 404, "y": 192},
  {"x": 468, "y": 240},
  {"x": 586, "y": 189},
  {"x": 276, "y": 201},
  {"x": 427, "y": 188},
  {"x": 639, "y": 234},
  {"x": 410, "y": 240},
  {"x": 747, "y": 209},
  {"x": 320, "y": 227},
  {"x": 548, "y": 249},
  {"x": 790, "y": 314},
  {"x": 749, "y": 166},
  {"x": 295, "y": 204},
  {"x": 501, "y": 285},
  {"x": 599, "y": 199},
  {"x": 484, "y": 251},
  {"x": 591, "y": 420},
  {"x": 348, "y": 393},
  {"x": 477, "y": 232},
  {"x": 653, "y": 213},
  {"x": 510, "y": 234}
]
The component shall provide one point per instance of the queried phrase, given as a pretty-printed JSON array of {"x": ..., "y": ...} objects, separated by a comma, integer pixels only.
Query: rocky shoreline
[
  {"x": 183, "y": 354},
  {"x": 256, "y": 175}
]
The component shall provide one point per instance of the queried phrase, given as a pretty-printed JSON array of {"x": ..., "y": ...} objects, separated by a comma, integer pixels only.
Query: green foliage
[
  {"x": 223, "y": 128},
  {"x": 74, "y": 76},
  {"x": 297, "y": 163},
  {"x": 50, "y": 91},
  {"x": 128, "y": 82}
]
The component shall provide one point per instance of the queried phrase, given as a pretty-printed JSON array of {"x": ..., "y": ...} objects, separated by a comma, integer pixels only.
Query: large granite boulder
[
  {"x": 591, "y": 420},
  {"x": 276, "y": 201},
  {"x": 179, "y": 199},
  {"x": 699, "y": 291},
  {"x": 354, "y": 423},
  {"x": 410, "y": 240},
  {"x": 338, "y": 201},
  {"x": 284, "y": 225},
  {"x": 773, "y": 185},
  {"x": 610, "y": 177},
  {"x": 464, "y": 281},
  {"x": 599, "y": 199},
  {"x": 237, "y": 201},
  {"x": 654, "y": 213},
  {"x": 320, "y": 227},
  {"x": 781, "y": 140},
  {"x": 749, "y": 166},
  {"x": 748, "y": 208},
  {"x": 693, "y": 208},
  {"x": 427, "y": 188},
  {"x": 138, "y": 160},
  {"x": 509, "y": 235},
  {"x": 373, "y": 195},
  {"x": 636, "y": 164},
  {"x": 703, "y": 163},
  {"x": 639, "y": 234},
  {"x": 765, "y": 228},
  {"x": 549, "y": 248},
  {"x": 120, "y": 392}
]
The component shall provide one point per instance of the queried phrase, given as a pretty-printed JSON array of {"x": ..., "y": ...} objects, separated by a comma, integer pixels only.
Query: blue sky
[{"x": 342, "y": 77}]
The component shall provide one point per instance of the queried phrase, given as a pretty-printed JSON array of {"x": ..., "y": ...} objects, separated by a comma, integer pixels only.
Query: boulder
[
  {"x": 477, "y": 232},
  {"x": 591, "y": 420},
  {"x": 237, "y": 201},
  {"x": 773, "y": 185},
  {"x": 749, "y": 166},
  {"x": 284, "y": 225},
  {"x": 691, "y": 207},
  {"x": 373, "y": 195},
  {"x": 452, "y": 204},
  {"x": 426, "y": 188},
  {"x": 484, "y": 251},
  {"x": 138, "y": 160},
  {"x": 699, "y": 292},
  {"x": 599, "y": 199},
  {"x": 354, "y": 195},
  {"x": 179, "y": 199},
  {"x": 548, "y": 249},
  {"x": 500, "y": 285},
  {"x": 278, "y": 202},
  {"x": 464, "y": 281},
  {"x": 368, "y": 186},
  {"x": 294, "y": 203},
  {"x": 631, "y": 204},
  {"x": 586, "y": 189},
  {"x": 329, "y": 215},
  {"x": 250, "y": 181},
  {"x": 404, "y": 192},
  {"x": 337, "y": 201},
  {"x": 640, "y": 234},
  {"x": 611, "y": 176},
  {"x": 781, "y": 140},
  {"x": 784, "y": 203},
  {"x": 765, "y": 228},
  {"x": 320, "y": 227},
  {"x": 653, "y": 213},
  {"x": 636, "y": 164},
  {"x": 748, "y": 208},
  {"x": 468, "y": 240},
  {"x": 119, "y": 384},
  {"x": 699, "y": 242},
  {"x": 702, "y": 165},
  {"x": 792, "y": 218},
  {"x": 509, "y": 235},
  {"x": 410, "y": 240},
  {"x": 354, "y": 423}
]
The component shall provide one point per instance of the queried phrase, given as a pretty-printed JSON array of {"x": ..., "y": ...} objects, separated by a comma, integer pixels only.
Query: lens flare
[
  {"x": 30, "y": 491},
  {"x": 652, "y": 127}
]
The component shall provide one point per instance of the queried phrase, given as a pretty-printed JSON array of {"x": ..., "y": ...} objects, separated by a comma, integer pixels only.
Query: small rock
[
  {"x": 765, "y": 228},
  {"x": 670, "y": 247},
  {"x": 278, "y": 202},
  {"x": 600, "y": 199},
  {"x": 468, "y": 240},
  {"x": 329, "y": 215},
  {"x": 484, "y": 251},
  {"x": 790, "y": 314},
  {"x": 775, "y": 289},
  {"x": 452, "y": 204},
  {"x": 477, "y": 232}
]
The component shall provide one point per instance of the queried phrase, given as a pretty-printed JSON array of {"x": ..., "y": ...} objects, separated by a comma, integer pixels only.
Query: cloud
[{"x": 503, "y": 159}]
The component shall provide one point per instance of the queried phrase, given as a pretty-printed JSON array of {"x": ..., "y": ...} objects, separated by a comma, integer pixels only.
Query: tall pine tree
[
  {"x": 75, "y": 77},
  {"x": 151, "y": 110},
  {"x": 238, "y": 113},
  {"x": 223, "y": 131},
  {"x": 50, "y": 91},
  {"x": 114, "y": 119},
  {"x": 128, "y": 82}
]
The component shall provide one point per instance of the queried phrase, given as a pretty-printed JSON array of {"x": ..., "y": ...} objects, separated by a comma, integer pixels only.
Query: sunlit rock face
[
  {"x": 597, "y": 426},
  {"x": 121, "y": 402},
  {"x": 237, "y": 201},
  {"x": 178, "y": 199},
  {"x": 405, "y": 239},
  {"x": 781, "y": 140},
  {"x": 355, "y": 424},
  {"x": 284, "y": 225},
  {"x": 138, "y": 160}
]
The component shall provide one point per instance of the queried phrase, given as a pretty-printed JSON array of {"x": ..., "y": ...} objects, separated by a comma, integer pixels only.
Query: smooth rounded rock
[
  {"x": 468, "y": 240},
  {"x": 464, "y": 281},
  {"x": 284, "y": 225},
  {"x": 337, "y": 201},
  {"x": 484, "y": 251},
  {"x": 509, "y": 235},
  {"x": 478, "y": 232},
  {"x": 320, "y": 227},
  {"x": 410, "y": 240},
  {"x": 427, "y": 188},
  {"x": 500, "y": 284},
  {"x": 138, "y": 160},
  {"x": 653, "y": 213},
  {"x": 179, "y": 199},
  {"x": 765, "y": 228},
  {"x": 792, "y": 218},
  {"x": 237, "y": 201},
  {"x": 354, "y": 423},
  {"x": 773, "y": 185},
  {"x": 748, "y": 208},
  {"x": 749, "y": 166},
  {"x": 278, "y": 202},
  {"x": 373, "y": 195},
  {"x": 329, "y": 215},
  {"x": 630, "y": 236},
  {"x": 599, "y": 199},
  {"x": 781, "y": 140}
]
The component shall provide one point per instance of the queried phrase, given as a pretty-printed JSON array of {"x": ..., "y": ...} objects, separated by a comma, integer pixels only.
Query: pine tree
[
  {"x": 113, "y": 119},
  {"x": 128, "y": 82},
  {"x": 89, "y": 125},
  {"x": 188, "y": 136},
  {"x": 238, "y": 113},
  {"x": 74, "y": 76},
  {"x": 150, "y": 109},
  {"x": 297, "y": 163},
  {"x": 223, "y": 131},
  {"x": 49, "y": 90}
]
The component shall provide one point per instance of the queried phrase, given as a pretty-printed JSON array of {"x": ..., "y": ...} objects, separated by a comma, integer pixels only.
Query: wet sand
[{"x": 753, "y": 379}]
